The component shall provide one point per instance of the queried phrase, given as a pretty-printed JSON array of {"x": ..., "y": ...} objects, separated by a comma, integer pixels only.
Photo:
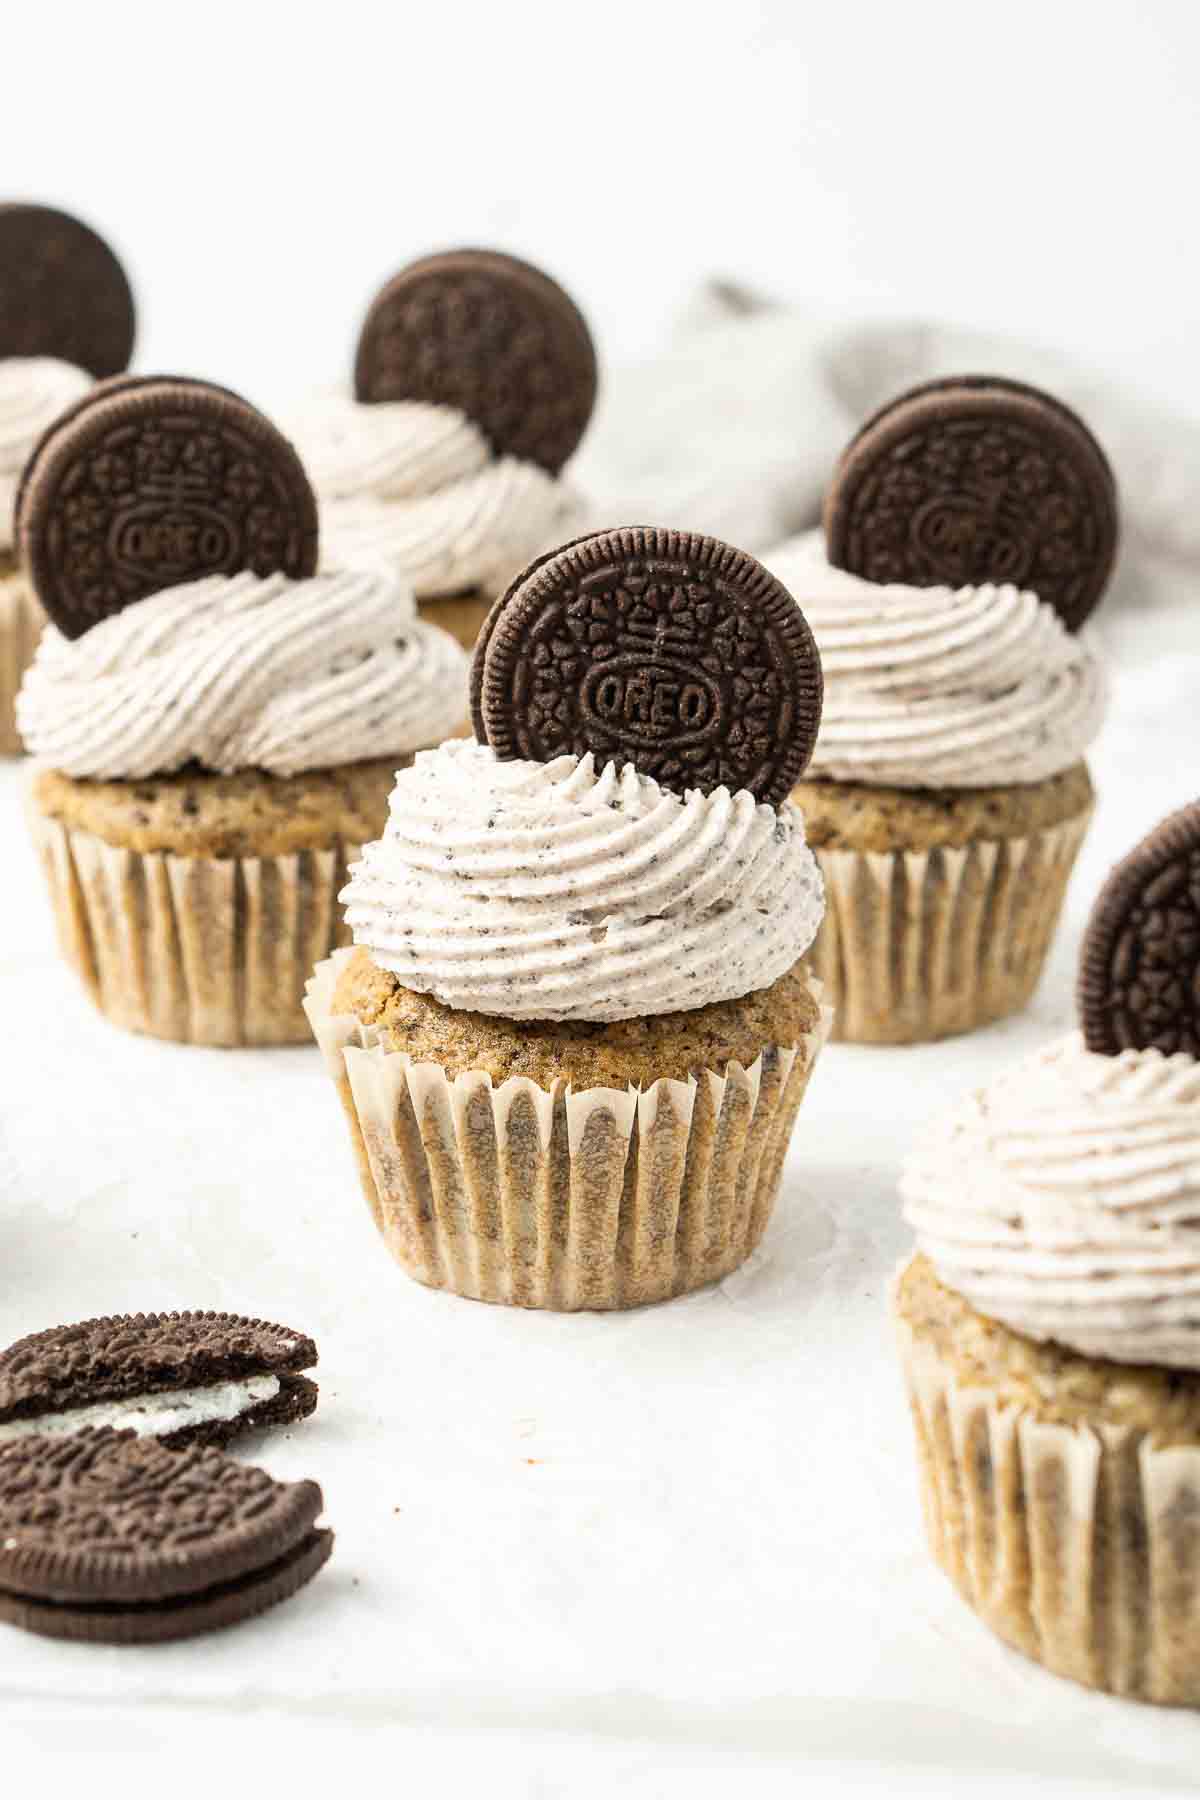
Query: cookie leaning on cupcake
[
  {"x": 969, "y": 530},
  {"x": 218, "y": 725},
  {"x": 577, "y": 1026},
  {"x": 474, "y": 380},
  {"x": 1049, "y": 1324},
  {"x": 66, "y": 319}
]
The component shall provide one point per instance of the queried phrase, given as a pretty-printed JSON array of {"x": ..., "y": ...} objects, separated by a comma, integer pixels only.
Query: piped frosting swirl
[
  {"x": 941, "y": 688},
  {"x": 561, "y": 891},
  {"x": 33, "y": 391},
  {"x": 245, "y": 672},
  {"x": 415, "y": 485},
  {"x": 1064, "y": 1201}
]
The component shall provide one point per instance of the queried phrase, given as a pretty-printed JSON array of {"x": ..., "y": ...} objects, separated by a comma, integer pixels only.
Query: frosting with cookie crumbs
[
  {"x": 240, "y": 672},
  {"x": 33, "y": 391},
  {"x": 561, "y": 890},
  {"x": 415, "y": 485},
  {"x": 938, "y": 687},
  {"x": 1064, "y": 1201}
]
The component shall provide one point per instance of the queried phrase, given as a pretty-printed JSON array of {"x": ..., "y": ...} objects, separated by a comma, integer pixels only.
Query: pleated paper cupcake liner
[
  {"x": 199, "y": 949},
  {"x": 550, "y": 1198},
  {"x": 1078, "y": 1546},
  {"x": 21, "y": 623},
  {"x": 923, "y": 944}
]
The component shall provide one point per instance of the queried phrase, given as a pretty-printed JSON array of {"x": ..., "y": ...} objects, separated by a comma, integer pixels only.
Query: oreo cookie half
[
  {"x": 494, "y": 337},
  {"x": 63, "y": 292},
  {"x": 1139, "y": 972},
  {"x": 183, "y": 1378},
  {"x": 669, "y": 650},
  {"x": 151, "y": 481},
  {"x": 974, "y": 478},
  {"x": 109, "y": 1538}
]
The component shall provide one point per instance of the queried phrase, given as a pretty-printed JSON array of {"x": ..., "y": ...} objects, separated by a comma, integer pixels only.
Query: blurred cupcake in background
[
  {"x": 217, "y": 726},
  {"x": 1049, "y": 1323},
  {"x": 970, "y": 528},
  {"x": 66, "y": 320},
  {"x": 474, "y": 380},
  {"x": 577, "y": 1025}
]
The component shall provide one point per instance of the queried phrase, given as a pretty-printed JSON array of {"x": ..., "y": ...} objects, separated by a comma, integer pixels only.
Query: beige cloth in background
[{"x": 735, "y": 426}]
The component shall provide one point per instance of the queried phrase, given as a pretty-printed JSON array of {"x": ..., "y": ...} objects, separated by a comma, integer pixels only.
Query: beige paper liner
[
  {"x": 922, "y": 944},
  {"x": 1079, "y": 1547},
  {"x": 21, "y": 624},
  {"x": 200, "y": 949},
  {"x": 529, "y": 1197}
]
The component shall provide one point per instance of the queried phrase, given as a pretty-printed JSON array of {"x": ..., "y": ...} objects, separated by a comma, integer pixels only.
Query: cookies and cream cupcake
[
  {"x": 474, "y": 380},
  {"x": 66, "y": 318},
  {"x": 1049, "y": 1323},
  {"x": 216, "y": 725},
  {"x": 576, "y": 1027},
  {"x": 948, "y": 793}
]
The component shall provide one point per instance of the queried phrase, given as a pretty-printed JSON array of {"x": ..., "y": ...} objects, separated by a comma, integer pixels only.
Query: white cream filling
[{"x": 152, "y": 1415}]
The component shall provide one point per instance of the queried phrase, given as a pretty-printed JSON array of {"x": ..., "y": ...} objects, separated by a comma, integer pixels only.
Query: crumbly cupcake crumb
[
  {"x": 1056, "y": 1385},
  {"x": 617, "y": 1054},
  {"x": 849, "y": 815}
]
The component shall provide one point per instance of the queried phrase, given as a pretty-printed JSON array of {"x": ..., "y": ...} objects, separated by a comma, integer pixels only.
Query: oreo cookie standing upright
[
  {"x": 217, "y": 723},
  {"x": 66, "y": 319},
  {"x": 474, "y": 380},
  {"x": 970, "y": 527}
]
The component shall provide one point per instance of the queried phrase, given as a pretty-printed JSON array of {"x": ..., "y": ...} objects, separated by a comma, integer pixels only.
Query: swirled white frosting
[
  {"x": 1064, "y": 1200},
  {"x": 244, "y": 672},
  {"x": 33, "y": 391},
  {"x": 562, "y": 891},
  {"x": 416, "y": 486},
  {"x": 941, "y": 688}
]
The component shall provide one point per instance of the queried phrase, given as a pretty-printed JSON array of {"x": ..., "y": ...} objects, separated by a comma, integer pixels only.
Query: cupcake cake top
[
  {"x": 66, "y": 318},
  {"x": 598, "y": 858},
  {"x": 475, "y": 377},
  {"x": 1064, "y": 1199},
  {"x": 170, "y": 532},
  {"x": 970, "y": 528}
]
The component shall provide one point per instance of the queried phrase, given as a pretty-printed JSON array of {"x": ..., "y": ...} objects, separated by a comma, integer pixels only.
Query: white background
[
  {"x": 680, "y": 1550},
  {"x": 1029, "y": 165}
]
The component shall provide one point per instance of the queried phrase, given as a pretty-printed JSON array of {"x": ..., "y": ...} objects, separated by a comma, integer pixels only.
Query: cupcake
[
  {"x": 576, "y": 1025},
  {"x": 970, "y": 529},
  {"x": 1049, "y": 1324},
  {"x": 216, "y": 725},
  {"x": 66, "y": 317},
  {"x": 474, "y": 380}
]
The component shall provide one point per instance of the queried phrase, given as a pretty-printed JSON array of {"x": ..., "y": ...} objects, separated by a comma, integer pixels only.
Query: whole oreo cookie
[
  {"x": 110, "y": 1538},
  {"x": 669, "y": 650},
  {"x": 193, "y": 1377},
  {"x": 62, "y": 291},
  {"x": 1139, "y": 974},
  {"x": 151, "y": 481},
  {"x": 492, "y": 336},
  {"x": 971, "y": 479}
]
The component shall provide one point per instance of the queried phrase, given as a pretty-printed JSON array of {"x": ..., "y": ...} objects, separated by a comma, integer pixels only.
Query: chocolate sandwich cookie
[
  {"x": 972, "y": 479},
  {"x": 151, "y": 481},
  {"x": 669, "y": 650},
  {"x": 494, "y": 337},
  {"x": 63, "y": 292},
  {"x": 1139, "y": 974},
  {"x": 108, "y": 1538},
  {"x": 183, "y": 1378}
]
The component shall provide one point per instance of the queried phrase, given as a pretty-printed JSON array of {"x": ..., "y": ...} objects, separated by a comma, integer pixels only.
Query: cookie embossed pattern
[
  {"x": 1049, "y": 1324},
  {"x": 578, "y": 993}
]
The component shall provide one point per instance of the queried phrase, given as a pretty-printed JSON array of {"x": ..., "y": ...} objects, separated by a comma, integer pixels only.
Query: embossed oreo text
[{"x": 657, "y": 703}]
